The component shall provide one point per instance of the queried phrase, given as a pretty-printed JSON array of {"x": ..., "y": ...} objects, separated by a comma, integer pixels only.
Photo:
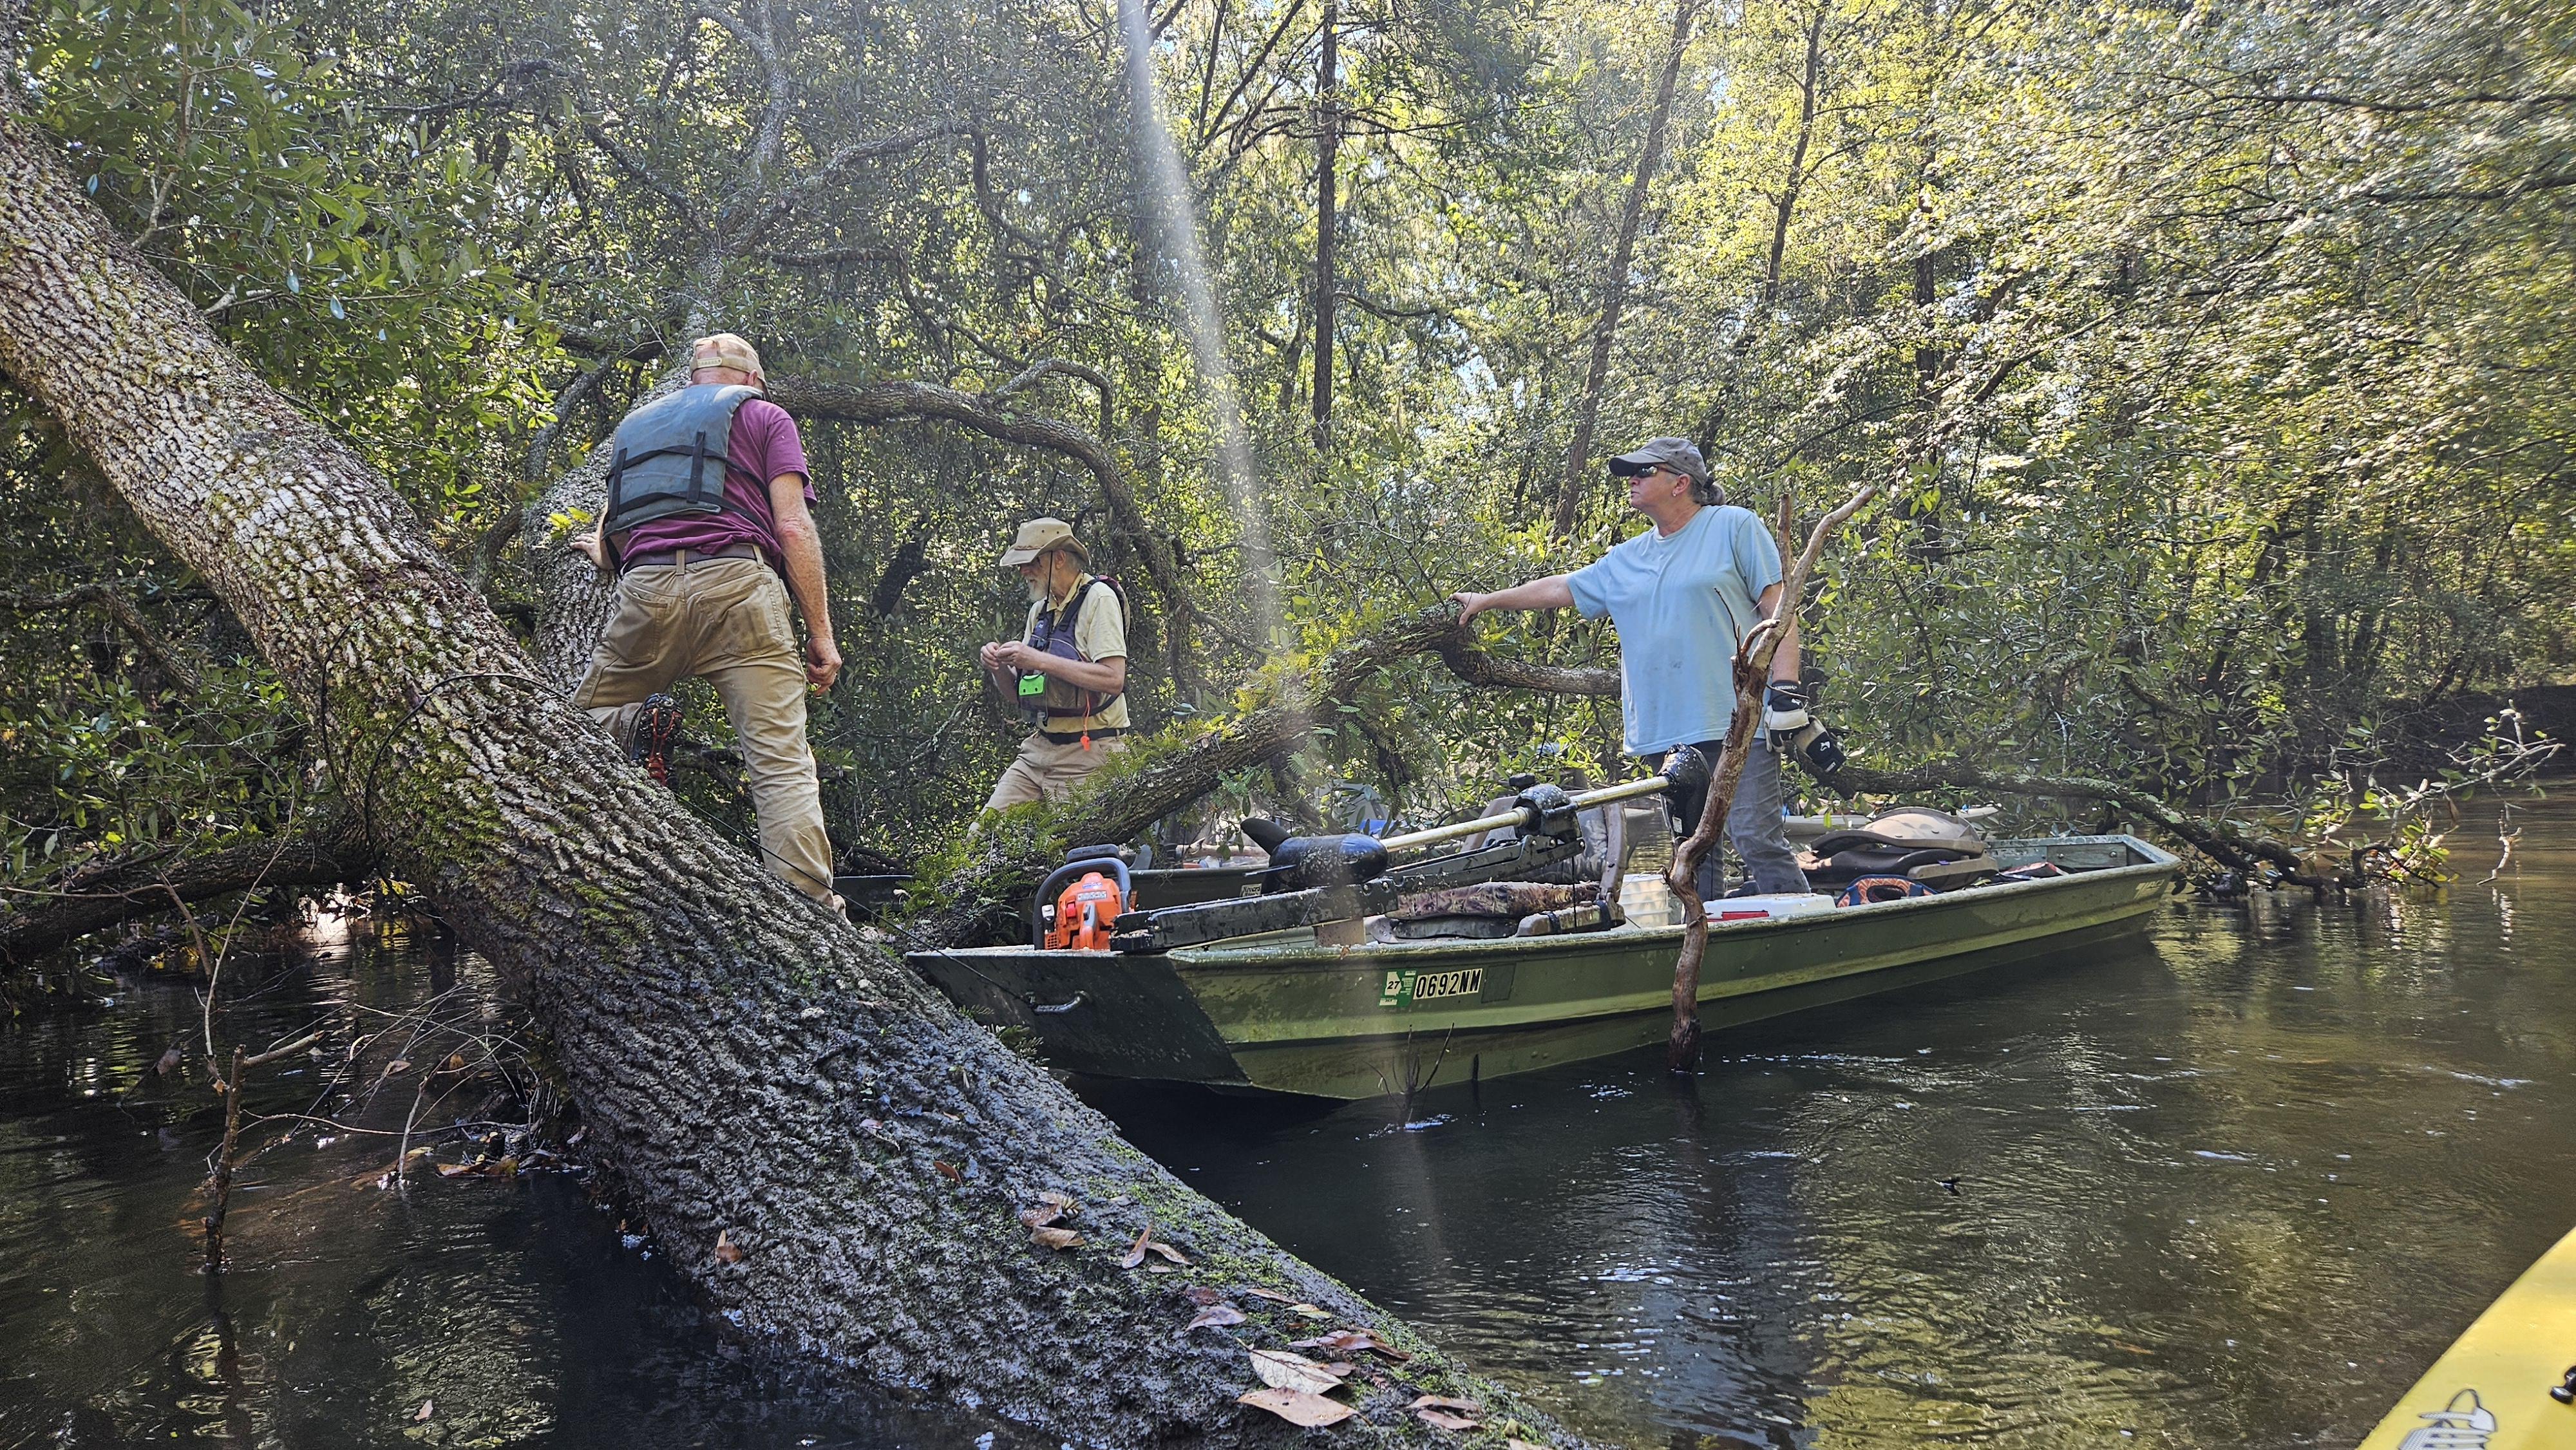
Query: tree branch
[
  {"x": 1043, "y": 366},
  {"x": 111, "y": 601},
  {"x": 34, "y": 922},
  {"x": 891, "y": 401}
]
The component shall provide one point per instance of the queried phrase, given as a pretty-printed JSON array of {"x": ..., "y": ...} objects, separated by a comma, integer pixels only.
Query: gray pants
[{"x": 1752, "y": 823}]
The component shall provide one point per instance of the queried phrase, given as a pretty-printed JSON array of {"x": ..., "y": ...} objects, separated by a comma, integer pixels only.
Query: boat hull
[
  {"x": 2491, "y": 1388},
  {"x": 1284, "y": 1014}
]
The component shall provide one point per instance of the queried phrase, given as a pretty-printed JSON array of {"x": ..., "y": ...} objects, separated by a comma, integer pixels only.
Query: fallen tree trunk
[
  {"x": 830, "y": 1154},
  {"x": 93, "y": 900}
]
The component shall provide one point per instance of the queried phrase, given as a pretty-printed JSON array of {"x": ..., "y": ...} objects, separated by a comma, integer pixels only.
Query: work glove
[
  {"x": 1816, "y": 748},
  {"x": 1796, "y": 732},
  {"x": 1784, "y": 712}
]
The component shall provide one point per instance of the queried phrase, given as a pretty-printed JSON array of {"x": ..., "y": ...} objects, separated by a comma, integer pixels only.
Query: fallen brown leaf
[
  {"x": 455, "y": 1062},
  {"x": 726, "y": 1248},
  {"x": 1273, "y": 1295},
  {"x": 1297, "y": 1407},
  {"x": 425, "y": 1407},
  {"x": 1443, "y": 1402},
  {"x": 1055, "y": 1238},
  {"x": 1136, "y": 1251},
  {"x": 1216, "y": 1316},
  {"x": 1439, "y": 1421},
  {"x": 948, "y": 1170},
  {"x": 1041, "y": 1216},
  {"x": 1310, "y": 1311},
  {"x": 1281, "y": 1370},
  {"x": 1160, "y": 1268},
  {"x": 1060, "y": 1200},
  {"x": 454, "y": 1170},
  {"x": 1202, "y": 1295},
  {"x": 397, "y": 1067},
  {"x": 1351, "y": 1341},
  {"x": 1521, "y": 1445},
  {"x": 1167, "y": 1251}
]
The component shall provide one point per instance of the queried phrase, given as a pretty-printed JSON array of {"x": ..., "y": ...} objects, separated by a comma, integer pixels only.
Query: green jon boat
[{"x": 1281, "y": 1013}]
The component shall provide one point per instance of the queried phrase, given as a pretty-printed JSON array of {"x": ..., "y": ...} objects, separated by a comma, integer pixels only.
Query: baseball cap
[
  {"x": 1039, "y": 535},
  {"x": 725, "y": 350},
  {"x": 1678, "y": 453}
]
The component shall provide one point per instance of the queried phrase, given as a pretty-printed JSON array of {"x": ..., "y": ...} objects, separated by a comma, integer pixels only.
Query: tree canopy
[{"x": 2214, "y": 356}]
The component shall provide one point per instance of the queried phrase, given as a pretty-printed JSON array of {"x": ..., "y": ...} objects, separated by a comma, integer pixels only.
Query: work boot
[{"x": 657, "y": 729}]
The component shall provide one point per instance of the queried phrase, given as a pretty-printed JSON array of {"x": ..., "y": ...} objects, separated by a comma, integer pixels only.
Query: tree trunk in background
[
  {"x": 746, "y": 1064},
  {"x": 1605, "y": 335},
  {"x": 1328, "y": 145},
  {"x": 1783, "y": 207}
]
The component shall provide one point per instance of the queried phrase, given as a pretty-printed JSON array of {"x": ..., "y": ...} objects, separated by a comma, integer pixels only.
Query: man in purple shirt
[{"x": 699, "y": 592}]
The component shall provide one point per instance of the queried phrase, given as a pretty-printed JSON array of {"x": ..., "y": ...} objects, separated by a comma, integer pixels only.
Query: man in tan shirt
[{"x": 1068, "y": 668}]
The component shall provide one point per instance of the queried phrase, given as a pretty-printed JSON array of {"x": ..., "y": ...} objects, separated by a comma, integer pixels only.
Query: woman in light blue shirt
[{"x": 1682, "y": 595}]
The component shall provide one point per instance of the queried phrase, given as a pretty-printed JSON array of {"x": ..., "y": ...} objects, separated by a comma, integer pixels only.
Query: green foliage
[{"x": 2215, "y": 355}]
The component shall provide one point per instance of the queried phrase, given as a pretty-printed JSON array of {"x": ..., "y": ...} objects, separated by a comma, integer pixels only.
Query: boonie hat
[
  {"x": 725, "y": 350},
  {"x": 1678, "y": 453},
  {"x": 1039, "y": 535}
]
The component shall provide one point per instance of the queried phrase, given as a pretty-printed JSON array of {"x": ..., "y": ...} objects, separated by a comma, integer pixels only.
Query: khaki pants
[
  {"x": 724, "y": 620},
  {"x": 1048, "y": 771}
]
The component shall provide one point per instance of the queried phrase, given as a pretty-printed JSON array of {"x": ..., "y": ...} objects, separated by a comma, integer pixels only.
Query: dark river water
[{"x": 2234, "y": 1185}]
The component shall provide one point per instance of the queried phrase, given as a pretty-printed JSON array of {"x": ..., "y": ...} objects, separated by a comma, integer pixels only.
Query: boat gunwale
[{"x": 1241, "y": 954}]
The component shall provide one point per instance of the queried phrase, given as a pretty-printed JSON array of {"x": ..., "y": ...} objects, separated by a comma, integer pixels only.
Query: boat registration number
[{"x": 1406, "y": 987}]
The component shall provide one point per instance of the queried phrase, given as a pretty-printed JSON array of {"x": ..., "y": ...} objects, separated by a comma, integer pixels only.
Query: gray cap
[{"x": 1679, "y": 453}]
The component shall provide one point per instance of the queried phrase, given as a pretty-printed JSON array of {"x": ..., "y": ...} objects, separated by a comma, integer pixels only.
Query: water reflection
[{"x": 508, "y": 1308}]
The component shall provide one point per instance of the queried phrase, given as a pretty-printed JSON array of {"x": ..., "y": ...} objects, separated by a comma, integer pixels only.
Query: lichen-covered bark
[{"x": 747, "y": 1064}]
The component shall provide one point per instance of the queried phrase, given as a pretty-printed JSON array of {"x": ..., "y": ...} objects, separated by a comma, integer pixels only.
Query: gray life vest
[{"x": 670, "y": 456}]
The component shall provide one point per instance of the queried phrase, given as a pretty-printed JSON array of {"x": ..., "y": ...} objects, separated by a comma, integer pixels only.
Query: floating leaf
[
  {"x": 1443, "y": 1402},
  {"x": 726, "y": 1248},
  {"x": 1055, "y": 1238},
  {"x": 1281, "y": 1370},
  {"x": 1297, "y": 1407},
  {"x": 454, "y": 1170},
  {"x": 1216, "y": 1316},
  {"x": 1440, "y": 1421}
]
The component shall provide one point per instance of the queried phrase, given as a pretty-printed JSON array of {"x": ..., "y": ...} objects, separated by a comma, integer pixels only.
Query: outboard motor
[{"x": 1300, "y": 862}]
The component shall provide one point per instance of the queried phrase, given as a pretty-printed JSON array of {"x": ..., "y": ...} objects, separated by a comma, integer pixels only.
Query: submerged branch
[{"x": 39, "y": 921}]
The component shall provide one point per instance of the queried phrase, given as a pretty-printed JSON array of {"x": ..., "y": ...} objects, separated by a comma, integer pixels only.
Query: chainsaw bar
[{"x": 1189, "y": 926}]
